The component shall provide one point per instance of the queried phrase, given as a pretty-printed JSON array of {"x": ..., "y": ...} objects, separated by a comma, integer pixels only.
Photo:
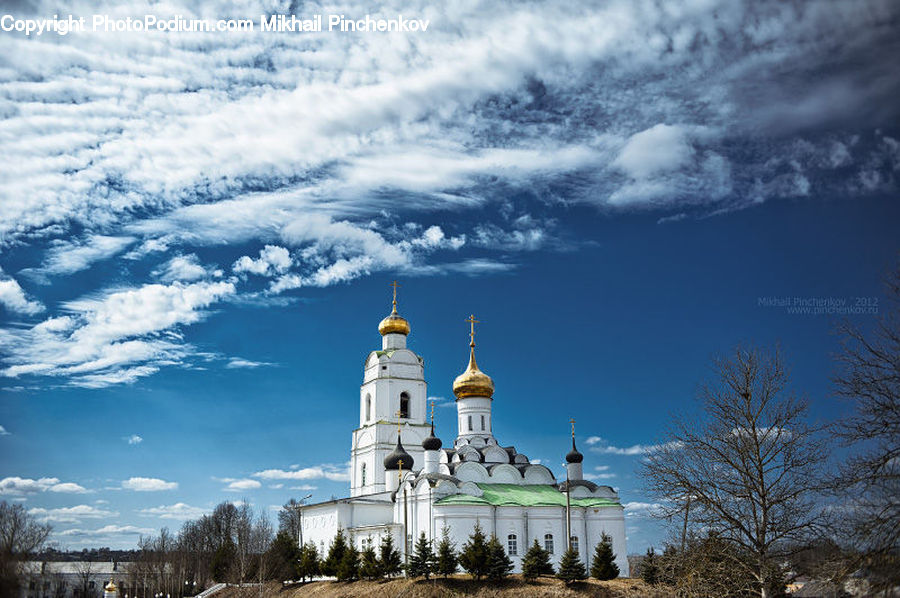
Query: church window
[
  {"x": 482, "y": 423},
  {"x": 513, "y": 544},
  {"x": 574, "y": 543},
  {"x": 548, "y": 543},
  {"x": 368, "y": 407},
  {"x": 470, "y": 423},
  {"x": 362, "y": 475},
  {"x": 404, "y": 405}
]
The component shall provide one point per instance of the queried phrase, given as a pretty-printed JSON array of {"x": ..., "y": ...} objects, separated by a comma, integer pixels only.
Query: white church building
[{"x": 405, "y": 482}]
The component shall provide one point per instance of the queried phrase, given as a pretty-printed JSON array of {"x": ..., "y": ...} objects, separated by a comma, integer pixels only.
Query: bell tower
[{"x": 392, "y": 394}]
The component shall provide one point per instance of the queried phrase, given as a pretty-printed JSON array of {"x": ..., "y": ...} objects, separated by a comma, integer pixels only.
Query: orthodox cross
[
  {"x": 572, "y": 421},
  {"x": 395, "y": 284},
  {"x": 399, "y": 423},
  {"x": 472, "y": 321},
  {"x": 432, "y": 413}
]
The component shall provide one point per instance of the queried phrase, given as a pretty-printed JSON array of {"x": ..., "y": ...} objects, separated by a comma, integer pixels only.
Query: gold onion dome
[
  {"x": 394, "y": 323},
  {"x": 111, "y": 586},
  {"x": 473, "y": 382}
]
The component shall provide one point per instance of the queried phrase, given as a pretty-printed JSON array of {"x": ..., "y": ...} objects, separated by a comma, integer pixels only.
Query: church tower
[
  {"x": 393, "y": 393},
  {"x": 474, "y": 392}
]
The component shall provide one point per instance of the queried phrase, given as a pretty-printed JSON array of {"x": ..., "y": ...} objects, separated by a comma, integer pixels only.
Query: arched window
[
  {"x": 362, "y": 475},
  {"x": 574, "y": 542},
  {"x": 470, "y": 423},
  {"x": 368, "y": 407},
  {"x": 404, "y": 405},
  {"x": 548, "y": 543},
  {"x": 513, "y": 545}
]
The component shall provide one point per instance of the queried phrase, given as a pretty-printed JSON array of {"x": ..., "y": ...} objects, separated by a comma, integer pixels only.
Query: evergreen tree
[
  {"x": 536, "y": 562},
  {"x": 389, "y": 563},
  {"x": 348, "y": 568},
  {"x": 283, "y": 557},
  {"x": 368, "y": 563},
  {"x": 604, "y": 566},
  {"x": 421, "y": 561},
  {"x": 499, "y": 565},
  {"x": 474, "y": 555},
  {"x": 570, "y": 567},
  {"x": 447, "y": 561},
  {"x": 309, "y": 561},
  {"x": 223, "y": 560},
  {"x": 335, "y": 554},
  {"x": 650, "y": 568}
]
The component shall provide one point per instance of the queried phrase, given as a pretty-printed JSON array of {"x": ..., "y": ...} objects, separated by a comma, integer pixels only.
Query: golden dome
[
  {"x": 473, "y": 382},
  {"x": 111, "y": 586},
  {"x": 394, "y": 323}
]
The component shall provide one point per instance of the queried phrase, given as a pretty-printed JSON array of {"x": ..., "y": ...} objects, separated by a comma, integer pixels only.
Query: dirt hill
[{"x": 515, "y": 587}]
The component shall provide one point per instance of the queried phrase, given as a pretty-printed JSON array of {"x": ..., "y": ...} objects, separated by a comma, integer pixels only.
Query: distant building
[
  {"x": 70, "y": 579},
  {"x": 404, "y": 483}
]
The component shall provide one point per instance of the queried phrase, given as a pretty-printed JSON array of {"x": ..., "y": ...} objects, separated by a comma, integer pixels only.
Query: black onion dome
[
  {"x": 392, "y": 461},
  {"x": 432, "y": 442},
  {"x": 574, "y": 456}
]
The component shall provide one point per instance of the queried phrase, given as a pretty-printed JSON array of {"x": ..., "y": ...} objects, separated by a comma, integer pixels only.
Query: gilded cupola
[
  {"x": 473, "y": 382},
  {"x": 394, "y": 323}
]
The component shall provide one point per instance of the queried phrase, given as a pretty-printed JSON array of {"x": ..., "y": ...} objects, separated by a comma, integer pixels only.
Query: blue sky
[{"x": 197, "y": 232}]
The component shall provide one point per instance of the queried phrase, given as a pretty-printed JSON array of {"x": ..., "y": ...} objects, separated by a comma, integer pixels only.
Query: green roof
[
  {"x": 532, "y": 495},
  {"x": 389, "y": 352}
]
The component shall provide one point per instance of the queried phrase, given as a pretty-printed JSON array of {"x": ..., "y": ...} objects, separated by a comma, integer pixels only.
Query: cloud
[
  {"x": 642, "y": 509},
  {"x": 241, "y": 485},
  {"x": 3, "y": 432},
  {"x": 70, "y": 514},
  {"x": 116, "y": 338},
  {"x": 303, "y": 487},
  {"x": 185, "y": 268},
  {"x": 272, "y": 260},
  {"x": 179, "y": 511},
  {"x": 13, "y": 298},
  {"x": 317, "y": 472},
  {"x": 237, "y": 363},
  {"x": 599, "y": 445},
  {"x": 21, "y": 486},
  {"x": 109, "y": 530},
  {"x": 661, "y": 148},
  {"x": 133, "y": 439},
  {"x": 67, "y": 257},
  {"x": 139, "y": 484}
]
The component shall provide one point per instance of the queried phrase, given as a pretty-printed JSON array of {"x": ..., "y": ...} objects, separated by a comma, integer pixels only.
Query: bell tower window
[
  {"x": 404, "y": 405},
  {"x": 362, "y": 475},
  {"x": 368, "y": 407}
]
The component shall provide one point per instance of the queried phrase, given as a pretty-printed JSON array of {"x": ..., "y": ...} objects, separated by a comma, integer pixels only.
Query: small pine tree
[
  {"x": 348, "y": 568},
  {"x": 604, "y": 566},
  {"x": 368, "y": 563},
  {"x": 421, "y": 561},
  {"x": 308, "y": 567},
  {"x": 499, "y": 565},
  {"x": 447, "y": 561},
  {"x": 570, "y": 567},
  {"x": 474, "y": 555},
  {"x": 335, "y": 554},
  {"x": 389, "y": 563},
  {"x": 536, "y": 562},
  {"x": 283, "y": 556},
  {"x": 650, "y": 568}
]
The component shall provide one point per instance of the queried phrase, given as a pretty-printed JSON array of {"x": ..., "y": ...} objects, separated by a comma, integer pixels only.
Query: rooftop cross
[
  {"x": 399, "y": 423},
  {"x": 395, "y": 284},
  {"x": 432, "y": 413},
  {"x": 472, "y": 321},
  {"x": 572, "y": 422}
]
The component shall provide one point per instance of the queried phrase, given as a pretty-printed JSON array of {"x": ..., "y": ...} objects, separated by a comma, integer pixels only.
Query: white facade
[{"x": 477, "y": 481}]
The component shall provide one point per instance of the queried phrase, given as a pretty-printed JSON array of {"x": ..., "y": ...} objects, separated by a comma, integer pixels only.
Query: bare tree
[
  {"x": 748, "y": 469},
  {"x": 84, "y": 570},
  {"x": 289, "y": 518},
  {"x": 20, "y": 536},
  {"x": 870, "y": 478}
]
